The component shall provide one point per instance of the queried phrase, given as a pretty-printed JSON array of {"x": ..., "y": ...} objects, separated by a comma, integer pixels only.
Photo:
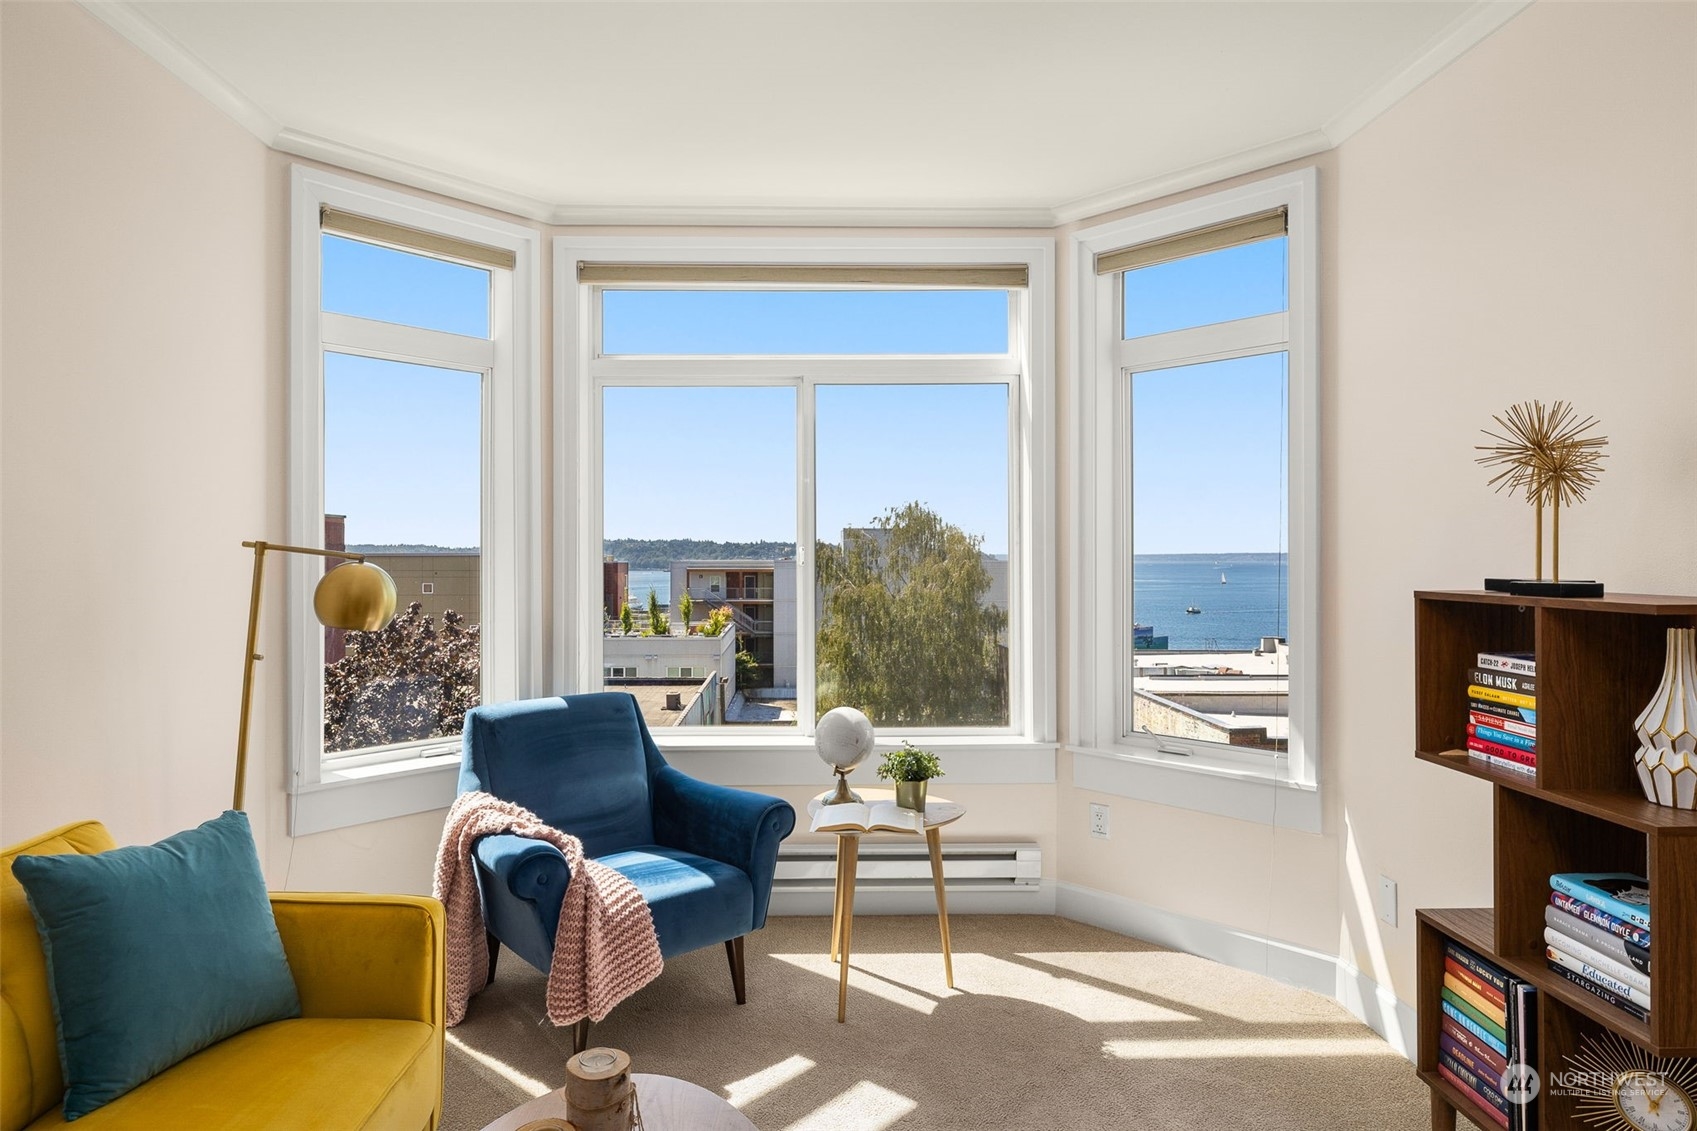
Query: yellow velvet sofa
[{"x": 365, "y": 1053}]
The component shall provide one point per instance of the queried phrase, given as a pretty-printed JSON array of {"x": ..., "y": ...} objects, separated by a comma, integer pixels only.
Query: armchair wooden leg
[
  {"x": 580, "y": 1036},
  {"x": 494, "y": 945},
  {"x": 733, "y": 951}
]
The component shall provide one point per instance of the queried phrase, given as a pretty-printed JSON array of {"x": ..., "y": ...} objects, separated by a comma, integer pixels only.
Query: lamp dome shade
[
  {"x": 356, "y": 595},
  {"x": 843, "y": 738}
]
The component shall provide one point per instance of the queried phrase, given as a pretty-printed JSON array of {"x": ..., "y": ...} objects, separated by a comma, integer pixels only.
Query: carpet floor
[{"x": 1051, "y": 1024}]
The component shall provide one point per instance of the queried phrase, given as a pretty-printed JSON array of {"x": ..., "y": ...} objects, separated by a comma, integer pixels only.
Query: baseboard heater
[{"x": 888, "y": 864}]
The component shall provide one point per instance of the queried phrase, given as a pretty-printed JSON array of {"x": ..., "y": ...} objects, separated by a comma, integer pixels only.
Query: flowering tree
[{"x": 408, "y": 680}]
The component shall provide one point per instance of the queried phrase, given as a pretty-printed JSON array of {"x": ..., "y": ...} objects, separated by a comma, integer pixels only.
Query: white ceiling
[{"x": 957, "y": 112}]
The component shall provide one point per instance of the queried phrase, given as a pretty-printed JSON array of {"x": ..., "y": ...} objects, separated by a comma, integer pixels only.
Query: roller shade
[
  {"x": 337, "y": 222},
  {"x": 1231, "y": 233},
  {"x": 998, "y": 276}
]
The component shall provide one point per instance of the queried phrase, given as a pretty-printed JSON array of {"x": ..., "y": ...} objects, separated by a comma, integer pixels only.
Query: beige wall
[
  {"x": 1522, "y": 225},
  {"x": 143, "y": 397}
]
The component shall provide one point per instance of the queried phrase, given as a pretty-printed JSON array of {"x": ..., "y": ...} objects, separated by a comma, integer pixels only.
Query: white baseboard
[
  {"x": 1380, "y": 1009},
  {"x": 1372, "y": 1004},
  {"x": 1015, "y": 899}
]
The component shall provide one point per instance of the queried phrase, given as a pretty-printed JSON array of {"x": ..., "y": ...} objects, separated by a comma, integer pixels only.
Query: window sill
[
  {"x": 359, "y": 795},
  {"x": 1242, "y": 793},
  {"x": 741, "y": 758},
  {"x": 381, "y": 790}
]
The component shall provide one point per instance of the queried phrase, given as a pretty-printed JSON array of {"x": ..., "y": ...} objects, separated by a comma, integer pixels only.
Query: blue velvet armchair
[{"x": 702, "y": 855}]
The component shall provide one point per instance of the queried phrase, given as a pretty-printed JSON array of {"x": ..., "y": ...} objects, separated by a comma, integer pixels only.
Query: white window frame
[
  {"x": 1024, "y": 751},
  {"x": 1282, "y": 790},
  {"x": 334, "y": 791}
]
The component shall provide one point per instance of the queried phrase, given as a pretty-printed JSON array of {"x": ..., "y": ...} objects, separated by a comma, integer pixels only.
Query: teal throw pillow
[{"x": 155, "y": 952}]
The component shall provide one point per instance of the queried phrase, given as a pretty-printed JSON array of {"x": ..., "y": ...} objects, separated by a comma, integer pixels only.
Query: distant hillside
[
  {"x": 408, "y": 548},
  {"x": 660, "y": 553}
]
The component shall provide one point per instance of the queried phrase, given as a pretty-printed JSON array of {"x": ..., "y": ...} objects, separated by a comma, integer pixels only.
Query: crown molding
[
  {"x": 1480, "y": 21},
  {"x": 1251, "y": 160},
  {"x": 128, "y": 21},
  {"x": 803, "y": 216},
  {"x": 462, "y": 189},
  {"x": 1467, "y": 32},
  {"x": 358, "y": 160}
]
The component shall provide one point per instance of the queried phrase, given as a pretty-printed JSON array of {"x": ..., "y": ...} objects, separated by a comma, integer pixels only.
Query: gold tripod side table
[{"x": 938, "y": 812}]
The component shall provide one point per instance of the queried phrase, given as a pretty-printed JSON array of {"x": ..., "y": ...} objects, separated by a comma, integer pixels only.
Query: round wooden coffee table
[{"x": 667, "y": 1104}]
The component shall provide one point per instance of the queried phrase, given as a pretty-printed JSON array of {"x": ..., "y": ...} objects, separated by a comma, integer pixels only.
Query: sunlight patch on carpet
[
  {"x": 1226, "y": 1048},
  {"x": 1186, "y": 981},
  {"x": 742, "y": 1092},
  {"x": 865, "y": 1107},
  {"x": 874, "y": 976},
  {"x": 986, "y": 974},
  {"x": 529, "y": 1084}
]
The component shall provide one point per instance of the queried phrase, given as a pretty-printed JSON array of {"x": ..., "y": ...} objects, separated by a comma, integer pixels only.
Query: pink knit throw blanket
[{"x": 605, "y": 948}]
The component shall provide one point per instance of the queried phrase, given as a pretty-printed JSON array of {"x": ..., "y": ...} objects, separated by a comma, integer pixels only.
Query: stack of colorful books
[
  {"x": 1502, "y": 711},
  {"x": 1487, "y": 1027},
  {"x": 1597, "y": 936}
]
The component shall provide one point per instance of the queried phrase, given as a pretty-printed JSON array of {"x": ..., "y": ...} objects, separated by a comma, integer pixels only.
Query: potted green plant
[{"x": 910, "y": 768}]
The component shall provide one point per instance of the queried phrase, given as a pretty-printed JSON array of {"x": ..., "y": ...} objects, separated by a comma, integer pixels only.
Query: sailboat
[{"x": 1222, "y": 577}]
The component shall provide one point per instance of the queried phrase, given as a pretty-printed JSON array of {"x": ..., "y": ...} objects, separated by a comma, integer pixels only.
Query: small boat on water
[
  {"x": 1192, "y": 609},
  {"x": 1222, "y": 577}
]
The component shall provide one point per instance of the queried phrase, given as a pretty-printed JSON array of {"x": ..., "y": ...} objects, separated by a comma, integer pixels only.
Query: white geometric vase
[{"x": 1667, "y": 728}]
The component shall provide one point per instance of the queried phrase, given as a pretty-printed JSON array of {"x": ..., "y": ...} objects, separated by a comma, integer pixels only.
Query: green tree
[
  {"x": 904, "y": 634},
  {"x": 748, "y": 670},
  {"x": 658, "y": 625},
  {"x": 627, "y": 619},
  {"x": 408, "y": 680},
  {"x": 686, "y": 608}
]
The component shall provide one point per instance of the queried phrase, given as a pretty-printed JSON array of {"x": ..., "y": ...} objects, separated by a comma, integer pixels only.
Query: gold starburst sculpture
[
  {"x": 1617, "y": 1086},
  {"x": 1547, "y": 453}
]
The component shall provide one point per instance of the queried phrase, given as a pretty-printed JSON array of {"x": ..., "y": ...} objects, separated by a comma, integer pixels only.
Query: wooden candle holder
[{"x": 600, "y": 1095}]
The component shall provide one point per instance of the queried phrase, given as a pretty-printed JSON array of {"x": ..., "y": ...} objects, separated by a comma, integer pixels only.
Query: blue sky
[
  {"x": 719, "y": 463},
  {"x": 401, "y": 457}
]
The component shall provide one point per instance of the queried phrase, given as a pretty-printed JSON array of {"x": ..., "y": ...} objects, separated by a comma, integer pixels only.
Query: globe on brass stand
[
  {"x": 843, "y": 739},
  {"x": 355, "y": 595}
]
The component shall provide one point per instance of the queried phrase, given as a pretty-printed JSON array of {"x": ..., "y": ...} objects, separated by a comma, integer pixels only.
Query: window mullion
[
  {"x": 807, "y": 556},
  {"x": 342, "y": 333},
  {"x": 783, "y": 370},
  {"x": 1223, "y": 340}
]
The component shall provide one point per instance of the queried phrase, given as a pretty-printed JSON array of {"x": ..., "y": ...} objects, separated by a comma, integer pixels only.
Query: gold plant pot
[{"x": 911, "y": 795}]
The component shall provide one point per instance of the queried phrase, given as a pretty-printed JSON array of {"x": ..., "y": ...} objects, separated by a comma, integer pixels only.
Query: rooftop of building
[{"x": 651, "y": 697}]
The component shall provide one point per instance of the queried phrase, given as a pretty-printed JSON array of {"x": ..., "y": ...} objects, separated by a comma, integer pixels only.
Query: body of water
[
  {"x": 1251, "y": 604},
  {"x": 642, "y": 580}
]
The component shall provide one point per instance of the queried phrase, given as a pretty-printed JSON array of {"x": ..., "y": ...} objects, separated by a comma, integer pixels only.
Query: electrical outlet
[
  {"x": 1099, "y": 821},
  {"x": 1387, "y": 900}
]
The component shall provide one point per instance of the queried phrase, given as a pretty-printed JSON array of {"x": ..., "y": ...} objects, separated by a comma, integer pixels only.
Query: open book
[{"x": 854, "y": 817}]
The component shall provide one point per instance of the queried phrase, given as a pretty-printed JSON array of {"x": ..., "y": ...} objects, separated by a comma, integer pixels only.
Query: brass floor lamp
[{"x": 355, "y": 595}]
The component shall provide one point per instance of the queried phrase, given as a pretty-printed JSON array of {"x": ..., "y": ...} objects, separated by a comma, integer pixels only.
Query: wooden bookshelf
[{"x": 1599, "y": 662}]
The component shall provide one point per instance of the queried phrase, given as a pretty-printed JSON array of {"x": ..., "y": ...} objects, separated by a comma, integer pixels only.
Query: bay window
[
  {"x": 411, "y": 392},
  {"x": 1196, "y": 475},
  {"x": 835, "y": 452}
]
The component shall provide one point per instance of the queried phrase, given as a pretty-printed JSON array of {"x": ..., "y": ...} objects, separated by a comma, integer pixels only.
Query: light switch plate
[{"x": 1387, "y": 901}]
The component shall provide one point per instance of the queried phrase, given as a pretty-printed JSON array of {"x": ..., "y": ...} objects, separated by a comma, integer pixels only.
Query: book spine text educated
[{"x": 1601, "y": 977}]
